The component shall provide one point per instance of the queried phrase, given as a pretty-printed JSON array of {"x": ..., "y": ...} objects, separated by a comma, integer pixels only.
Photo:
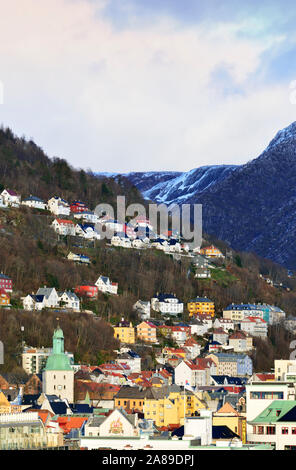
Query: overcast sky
[{"x": 136, "y": 85}]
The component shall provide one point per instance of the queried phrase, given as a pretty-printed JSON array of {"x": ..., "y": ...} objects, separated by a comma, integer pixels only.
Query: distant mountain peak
[{"x": 283, "y": 136}]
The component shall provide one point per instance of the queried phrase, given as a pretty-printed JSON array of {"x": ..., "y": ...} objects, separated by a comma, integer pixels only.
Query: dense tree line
[{"x": 90, "y": 339}]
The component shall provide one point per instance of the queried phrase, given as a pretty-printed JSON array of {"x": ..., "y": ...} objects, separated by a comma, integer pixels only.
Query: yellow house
[
  {"x": 228, "y": 416},
  {"x": 7, "y": 407},
  {"x": 166, "y": 407},
  {"x": 146, "y": 331},
  {"x": 201, "y": 306},
  {"x": 211, "y": 251},
  {"x": 125, "y": 332}
]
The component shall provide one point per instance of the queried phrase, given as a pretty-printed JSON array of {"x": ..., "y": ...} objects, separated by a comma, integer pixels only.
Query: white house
[
  {"x": 69, "y": 300},
  {"x": 51, "y": 298},
  {"x": 188, "y": 373},
  {"x": 10, "y": 198},
  {"x": 33, "y": 302},
  {"x": 167, "y": 303},
  {"x": 78, "y": 258},
  {"x": 34, "y": 202},
  {"x": 220, "y": 335},
  {"x": 63, "y": 227},
  {"x": 117, "y": 424},
  {"x": 193, "y": 348},
  {"x": 104, "y": 284},
  {"x": 143, "y": 308},
  {"x": 58, "y": 206},
  {"x": 87, "y": 231},
  {"x": 224, "y": 323},
  {"x": 255, "y": 326},
  {"x": 87, "y": 216}
]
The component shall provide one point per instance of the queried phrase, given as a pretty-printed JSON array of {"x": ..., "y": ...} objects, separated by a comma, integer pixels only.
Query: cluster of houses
[
  {"x": 210, "y": 401},
  {"x": 48, "y": 297}
]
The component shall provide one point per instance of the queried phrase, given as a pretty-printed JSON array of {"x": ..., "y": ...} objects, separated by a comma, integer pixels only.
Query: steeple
[{"x": 58, "y": 360}]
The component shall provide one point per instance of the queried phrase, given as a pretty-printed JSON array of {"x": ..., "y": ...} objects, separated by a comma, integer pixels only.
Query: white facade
[
  {"x": 105, "y": 285},
  {"x": 10, "y": 198},
  {"x": 60, "y": 383},
  {"x": 35, "y": 203},
  {"x": 191, "y": 376},
  {"x": 260, "y": 395},
  {"x": 58, "y": 206},
  {"x": 70, "y": 301},
  {"x": 30, "y": 303},
  {"x": 51, "y": 298},
  {"x": 63, "y": 227},
  {"x": 255, "y": 327},
  {"x": 167, "y": 304}
]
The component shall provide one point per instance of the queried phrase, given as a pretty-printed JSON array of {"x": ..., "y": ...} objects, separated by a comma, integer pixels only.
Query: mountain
[
  {"x": 250, "y": 206},
  {"x": 174, "y": 186}
]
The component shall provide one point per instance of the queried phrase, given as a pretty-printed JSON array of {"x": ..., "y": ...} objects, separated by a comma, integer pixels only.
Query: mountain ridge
[{"x": 250, "y": 206}]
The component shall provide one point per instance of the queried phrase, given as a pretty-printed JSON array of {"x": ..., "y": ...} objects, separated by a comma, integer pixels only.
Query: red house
[
  {"x": 5, "y": 283},
  {"x": 78, "y": 207},
  {"x": 87, "y": 290}
]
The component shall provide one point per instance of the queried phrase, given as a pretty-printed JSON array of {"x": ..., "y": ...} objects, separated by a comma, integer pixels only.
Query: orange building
[
  {"x": 146, "y": 331},
  {"x": 201, "y": 307},
  {"x": 4, "y": 299},
  {"x": 211, "y": 251}
]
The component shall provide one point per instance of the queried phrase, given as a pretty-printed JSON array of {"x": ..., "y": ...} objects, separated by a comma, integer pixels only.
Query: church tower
[{"x": 58, "y": 375}]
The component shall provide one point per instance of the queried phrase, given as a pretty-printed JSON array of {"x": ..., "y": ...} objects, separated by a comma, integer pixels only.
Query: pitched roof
[
  {"x": 276, "y": 411},
  {"x": 227, "y": 408}
]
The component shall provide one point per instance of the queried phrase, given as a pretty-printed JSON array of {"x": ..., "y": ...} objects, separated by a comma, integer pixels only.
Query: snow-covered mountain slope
[
  {"x": 251, "y": 206},
  {"x": 177, "y": 187}
]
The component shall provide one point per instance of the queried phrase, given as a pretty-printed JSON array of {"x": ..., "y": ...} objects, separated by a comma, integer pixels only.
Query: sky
[{"x": 142, "y": 85}]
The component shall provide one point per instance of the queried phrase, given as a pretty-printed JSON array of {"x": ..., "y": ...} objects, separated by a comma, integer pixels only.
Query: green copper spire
[{"x": 58, "y": 360}]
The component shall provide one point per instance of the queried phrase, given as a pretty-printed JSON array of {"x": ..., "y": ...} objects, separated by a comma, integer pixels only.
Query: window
[
  {"x": 293, "y": 430},
  {"x": 270, "y": 430},
  {"x": 285, "y": 431}
]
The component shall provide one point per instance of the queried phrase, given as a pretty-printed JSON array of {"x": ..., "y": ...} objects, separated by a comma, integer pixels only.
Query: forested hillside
[
  {"x": 25, "y": 167},
  {"x": 33, "y": 255}
]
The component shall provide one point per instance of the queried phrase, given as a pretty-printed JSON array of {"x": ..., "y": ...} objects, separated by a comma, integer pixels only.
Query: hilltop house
[
  {"x": 146, "y": 331},
  {"x": 33, "y": 302},
  {"x": 200, "y": 307},
  {"x": 69, "y": 300},
  {"x": 58, "y": 206},
  {"x": 63, "y": 227},
  {"x": 167, "y": 304},
  {"x": 240, "y": 342},
  {"x": 211, "y": 251},
  {"x": 34, "y": 202},
  {"x": 87, "y": 216},
  {"x": 87, "y": 290},
  {"x": 10, "y": 198},
  {"x": 104, "y": 284},
  {"x": 143, "y": 308},
  {"x": 5, "y": 283},
  {"x": 87, "y": 231},
  {"x": 4, "y": 299},
  {"x": 77, "y": 207},
  {"x": 51, "y": 298},
  {"x": 78, "y": 258}
]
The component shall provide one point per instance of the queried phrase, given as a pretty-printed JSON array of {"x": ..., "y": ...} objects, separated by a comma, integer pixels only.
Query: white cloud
[{"x": 137, "y": 99}]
